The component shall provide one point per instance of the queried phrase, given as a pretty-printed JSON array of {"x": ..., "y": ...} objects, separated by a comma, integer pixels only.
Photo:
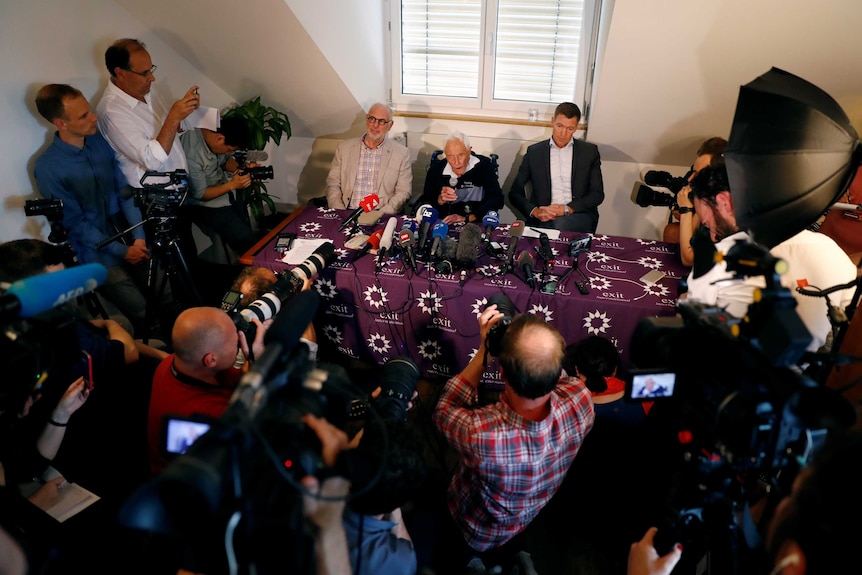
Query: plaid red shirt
[{"x": 509, "y": 466}]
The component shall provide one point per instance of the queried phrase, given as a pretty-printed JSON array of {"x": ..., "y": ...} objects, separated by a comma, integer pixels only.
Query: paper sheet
[
  {"x": 302, "y": 248},
  {"x": 530, "y": 232}
]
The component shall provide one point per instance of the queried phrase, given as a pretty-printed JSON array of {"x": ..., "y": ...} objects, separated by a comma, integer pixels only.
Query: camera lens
[{"x": 397, "y": 383}]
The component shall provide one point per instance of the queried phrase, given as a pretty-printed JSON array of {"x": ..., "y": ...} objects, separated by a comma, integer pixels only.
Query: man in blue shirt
[{"x": 80, "y": 168}]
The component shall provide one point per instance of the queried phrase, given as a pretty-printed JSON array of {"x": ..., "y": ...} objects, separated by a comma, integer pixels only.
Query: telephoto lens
[
  {"x": 397, "y": 383},
  {"x": 494, "y": 343}
]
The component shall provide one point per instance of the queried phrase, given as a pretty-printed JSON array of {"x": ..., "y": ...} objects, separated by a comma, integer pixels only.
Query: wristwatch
[{"x": 685, "y": 211}]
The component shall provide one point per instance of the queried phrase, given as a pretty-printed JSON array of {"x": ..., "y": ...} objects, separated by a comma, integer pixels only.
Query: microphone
[
  {"x": 369, "y": 203},
  {"x": 372, "y": 243},
  {"x": 453, "y": 181},
  {"x": 490, "y": 221},
  {"x": 468, "y": 246},
  {"x": 525, "y": 260},
  {"x": 256, "y": 156},
  {"x": 429, "y": 217},
  {"x": 34, "y": 295},
  {"x": 440, "y": 231},
  {"x": 385, "y": 241},
  {"x": 409, "y": 224},
  {"x": 419, "y": 211},
  {"x": 516, "y": 230},
  {"x": 407, "y": 240},
  {"x": 545, "y": 251}
]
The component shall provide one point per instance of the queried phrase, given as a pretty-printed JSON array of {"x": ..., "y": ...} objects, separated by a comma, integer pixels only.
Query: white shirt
[
  {"x": 131, "y": 127},
  {"x": 720, "y": 287},
  {"x": 817, "y": 259},
  {"x": 561, "y": 172}
]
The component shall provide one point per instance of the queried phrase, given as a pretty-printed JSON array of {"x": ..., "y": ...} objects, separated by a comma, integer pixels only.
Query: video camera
[
  {"x": 162, "y": 193},
  {"x": 239, "y": 482},
  {"x": 494, "y": 341},
  {"x": 645, "y": 195},
  {"x": 257, "y": 173},
  {"x": 51, "y": 208},
  {"x": 742, "y": 420}
]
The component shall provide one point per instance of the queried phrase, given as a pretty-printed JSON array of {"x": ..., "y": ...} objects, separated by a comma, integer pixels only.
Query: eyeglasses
[
  {"x": 145, "y": 74},
  {"x": 379, "y": 121}
]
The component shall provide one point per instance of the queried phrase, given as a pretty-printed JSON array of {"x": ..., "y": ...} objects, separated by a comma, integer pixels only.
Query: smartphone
[
  {"x": 649, "y": 385},
  {"x": 549, "y": 286},
  {"x": 284, "y": 242},
  {"x": 652, "y": 277},
  {"x": 179, "y": 433},
  {"x": 87, "y": 361}
]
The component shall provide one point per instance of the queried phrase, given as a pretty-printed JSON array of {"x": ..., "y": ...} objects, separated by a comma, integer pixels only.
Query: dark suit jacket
[{"x": 587, "y": 188}]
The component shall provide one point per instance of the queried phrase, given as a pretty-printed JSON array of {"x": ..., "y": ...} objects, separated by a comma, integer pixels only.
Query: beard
[{"x": 723, "y": 227}]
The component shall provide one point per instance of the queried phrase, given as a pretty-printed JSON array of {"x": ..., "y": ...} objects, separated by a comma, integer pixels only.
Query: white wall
[{"x": 57, "y": 41}]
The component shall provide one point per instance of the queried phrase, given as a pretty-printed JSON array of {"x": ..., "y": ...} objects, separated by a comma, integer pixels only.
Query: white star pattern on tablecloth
[
  {"x": 323, "y": 210},
  {"x": 309, "y": 227},
  {"x": 538, "y": 309},
  {"x": 489, "y": 270},
  {"x": 479, "y": 306},
  {"x": 600, "y": 284},
  {"x": 326, "y": 288},
  {"x": 429, "y": 349},
  {"x": 342, "y": 253},
  {"x": 649, "y": 262},
  {"x": 380, "y": 299},
  {"x": 429, "y": 302},
  {"x": 657, "y": 289},
  {"x": 597, "y": 257},
  {"x": 645, "y": 242},
  {"x": 378, "y": 343},
  {"x": 333, "y": 334},
  {"x": 590, "y": 322}
]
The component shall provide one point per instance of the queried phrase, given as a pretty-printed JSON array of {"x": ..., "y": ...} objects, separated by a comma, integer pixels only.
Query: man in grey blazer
[
  {"x": 566, "y": 178},
  {"x": 371, "y": 165}
]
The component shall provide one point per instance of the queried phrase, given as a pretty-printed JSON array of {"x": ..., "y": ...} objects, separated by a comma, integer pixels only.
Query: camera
[
  {"x": 257, "y": 173},
  {"x": 285, "y": 287},
  {"x": 162, "y": 193},
  {"x": 397, "y": 384},
  {"x": 644, "y": 194},
  {"x": 666, "y": 180},
  {"x": 51, "y": 208},
  {"x": 494, "y": 341},
  {"x": 580, "y": 245}
]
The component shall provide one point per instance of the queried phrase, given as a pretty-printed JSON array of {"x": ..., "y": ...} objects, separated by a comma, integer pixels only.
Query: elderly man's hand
[{"x": 447, "y": 194}]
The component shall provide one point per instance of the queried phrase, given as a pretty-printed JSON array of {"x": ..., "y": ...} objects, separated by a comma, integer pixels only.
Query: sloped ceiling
[{"x": 256, "y": 47}]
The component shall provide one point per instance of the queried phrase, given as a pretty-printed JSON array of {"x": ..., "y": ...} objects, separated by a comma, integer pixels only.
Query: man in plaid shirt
[{"x": 514, "y": 453}]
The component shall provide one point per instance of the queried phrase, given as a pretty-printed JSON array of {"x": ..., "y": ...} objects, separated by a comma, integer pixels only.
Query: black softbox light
[{"x": 791, "y": 154}]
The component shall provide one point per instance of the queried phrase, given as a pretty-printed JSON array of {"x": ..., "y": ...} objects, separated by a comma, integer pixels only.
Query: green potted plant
[{"x": 266, "y": 124}]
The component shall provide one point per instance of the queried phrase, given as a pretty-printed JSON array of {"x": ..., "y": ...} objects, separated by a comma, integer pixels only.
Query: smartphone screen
[{"x": 87, "y": 360}]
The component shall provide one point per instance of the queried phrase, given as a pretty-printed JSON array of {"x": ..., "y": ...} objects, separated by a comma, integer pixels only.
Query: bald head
[
  {"x": 204, "y": 337},
  {"x": 532, "y": 356}
]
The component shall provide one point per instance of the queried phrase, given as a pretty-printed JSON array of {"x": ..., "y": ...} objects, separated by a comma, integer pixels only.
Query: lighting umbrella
[{"x": 791, "y": 154}]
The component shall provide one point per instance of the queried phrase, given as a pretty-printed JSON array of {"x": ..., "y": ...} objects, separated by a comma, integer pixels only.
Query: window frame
[{"x": 484, "y": 104}]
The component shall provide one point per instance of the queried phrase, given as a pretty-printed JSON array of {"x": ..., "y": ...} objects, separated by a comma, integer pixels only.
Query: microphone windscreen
[
  {"x": 429, "y": 214},
  {"x": 420, "y": 210},
  {"x": 374, "y": 239},
  {"x": 370, "y": 202},
  {"x": 292, "y": 319},
  {"x": 256, "y": 156},
  {"x": 440, "y": 230},
  {"x": 491, "y": 219},
  {"x": 388, "y": 231},
  {"x": 516, "y": 230},
  {"x": 468, "y": 245},
  {"x": 525, "y": 259},
  {"x": 450, "y": 246},
  {"x": 40, "y": 293}
]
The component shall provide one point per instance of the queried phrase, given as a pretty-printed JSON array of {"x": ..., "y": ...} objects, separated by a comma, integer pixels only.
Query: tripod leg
[{"x": 180, "y": 270}]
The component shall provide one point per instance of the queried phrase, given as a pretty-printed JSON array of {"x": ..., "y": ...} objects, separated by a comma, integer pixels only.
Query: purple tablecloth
[{"x": 432, "y": 319}]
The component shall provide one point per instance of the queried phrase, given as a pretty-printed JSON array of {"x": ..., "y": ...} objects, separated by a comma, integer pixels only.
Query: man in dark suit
[{"x": 566, "y": 178}]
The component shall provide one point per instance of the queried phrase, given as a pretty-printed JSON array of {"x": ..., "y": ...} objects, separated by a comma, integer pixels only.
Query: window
[{"x": 495, "y": 55}]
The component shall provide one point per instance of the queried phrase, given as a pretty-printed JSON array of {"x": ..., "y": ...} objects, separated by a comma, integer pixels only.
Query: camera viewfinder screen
[
  {"x": 182, "y": 433},
  {"x": 647, "y": 386}
]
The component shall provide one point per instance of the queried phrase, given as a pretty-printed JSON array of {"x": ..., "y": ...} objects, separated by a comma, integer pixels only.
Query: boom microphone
[
  {"x": 385, "y": 242},
  {"x": 369, "y": 203},
  {"x": 525, "y": 261},
  {"x": 372, "y": 243},
  {"x": 516, "y": 230},
  {"x": 490, "y": 221},
  {"x": 441, "y": 229},
  {"x": 34, "y": 295}
]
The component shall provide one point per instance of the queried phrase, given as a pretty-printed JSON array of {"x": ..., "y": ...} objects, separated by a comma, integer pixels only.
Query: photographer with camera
[
  {"x": 81, "y": 170},
  {"x": 813, "y": 259},
  {"x": 211, "y": 200},
  {"x": 514, "y": 453},
  {"x": 199, "y": 378}
]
